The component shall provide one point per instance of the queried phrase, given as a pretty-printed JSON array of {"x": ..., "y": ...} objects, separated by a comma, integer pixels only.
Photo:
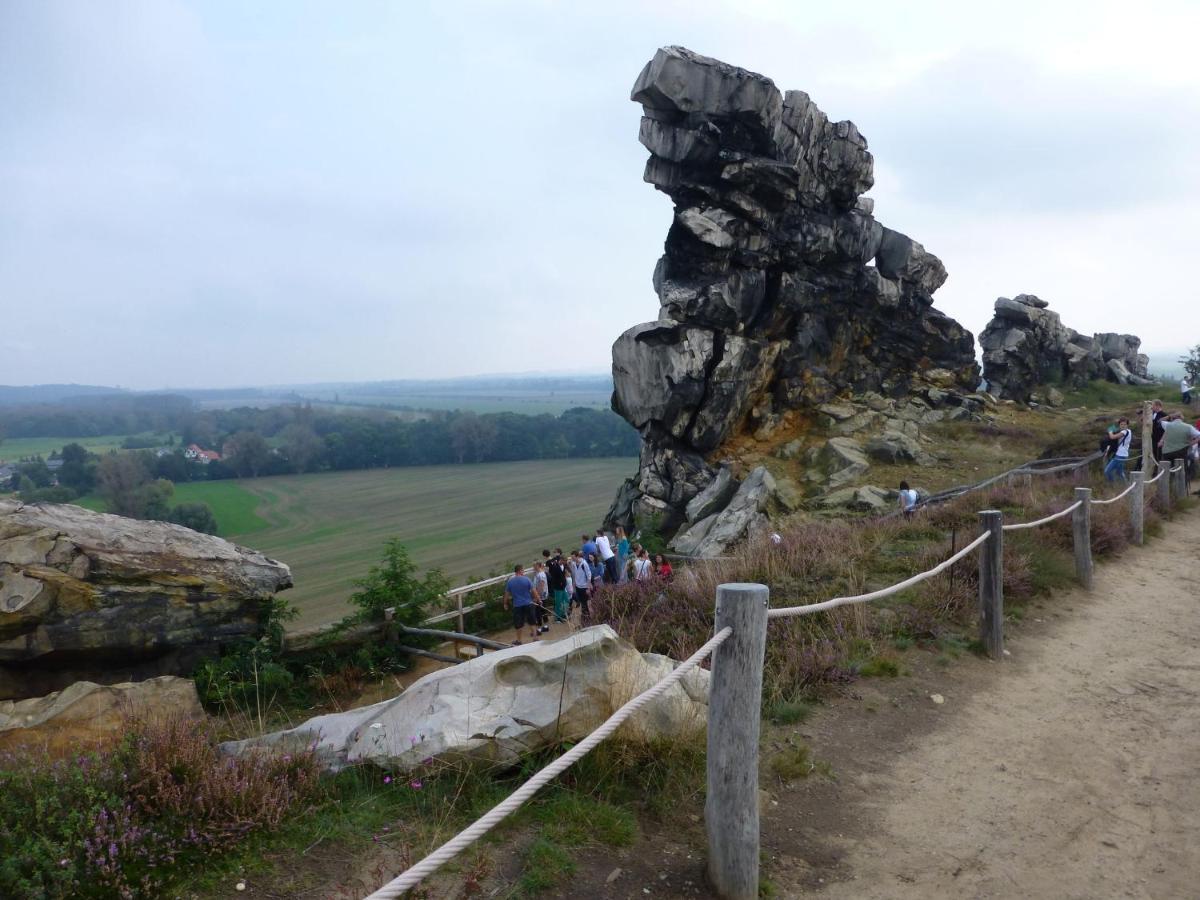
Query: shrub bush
[{"x": 124, "y": 823}]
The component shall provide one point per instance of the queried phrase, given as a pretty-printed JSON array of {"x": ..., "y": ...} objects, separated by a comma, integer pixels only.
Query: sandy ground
[{"x": 1072, "y": 772}]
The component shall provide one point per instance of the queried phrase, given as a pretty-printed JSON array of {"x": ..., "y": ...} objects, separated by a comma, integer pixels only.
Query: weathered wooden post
[
  {"x": 1081, "y": 529},
  {"x": 1148, "y": 437},
  {"x": 459, "y": 609},
  {"x": 1164, "y": 487},
  {"x": 991, "y": 583},
  {"x": 734, "y": 703},
  {"x": 1180, "y": 481},
  {"x": 1137, "y": 507}
]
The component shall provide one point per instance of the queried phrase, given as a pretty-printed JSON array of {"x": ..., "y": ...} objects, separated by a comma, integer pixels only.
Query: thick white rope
[
  {"x": 443, "y": 854},
  {"x": 1175, "y": 469},
  {"x": 1156, "y": 477},
  {"x": 787, "y": 611},
  {"x": 1017, "y": 526},
  {"x": 1116, "y": 498}
]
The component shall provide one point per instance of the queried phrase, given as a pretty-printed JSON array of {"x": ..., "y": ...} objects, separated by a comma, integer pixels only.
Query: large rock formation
[
  {"x": 769, "y": 298},
  {"x": 499, "y": 707},
  {"x": 88, "y": 596},
  {"x": 1026, "y": 346}
]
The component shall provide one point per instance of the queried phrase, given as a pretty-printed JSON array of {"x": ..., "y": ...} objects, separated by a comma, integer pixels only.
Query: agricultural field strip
[{"x": 467, "y": 520}]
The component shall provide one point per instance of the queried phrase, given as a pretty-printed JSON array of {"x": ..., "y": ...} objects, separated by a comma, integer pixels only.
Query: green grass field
[
  {"x": 13, "y": 449},
  {"x": 467, "y": 520}
]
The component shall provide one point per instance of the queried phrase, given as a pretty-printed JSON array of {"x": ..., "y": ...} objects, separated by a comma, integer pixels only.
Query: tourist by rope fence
[{"x": 738, "y": 646}]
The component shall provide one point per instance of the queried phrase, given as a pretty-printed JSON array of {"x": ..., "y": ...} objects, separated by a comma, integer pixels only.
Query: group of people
[
  {"x": 562, "y": 584},
  {"x": 1172, "y": 440}
]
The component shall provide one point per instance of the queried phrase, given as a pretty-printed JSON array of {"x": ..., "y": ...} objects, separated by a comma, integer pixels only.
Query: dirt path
[{"x": 1072, "y": 770}]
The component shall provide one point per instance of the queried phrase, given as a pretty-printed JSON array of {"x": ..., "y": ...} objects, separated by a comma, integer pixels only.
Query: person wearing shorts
[{"x": 518, "y": 591}]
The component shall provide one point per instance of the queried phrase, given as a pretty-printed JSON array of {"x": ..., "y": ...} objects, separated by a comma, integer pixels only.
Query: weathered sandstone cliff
[{"x": 779, "y": 292}]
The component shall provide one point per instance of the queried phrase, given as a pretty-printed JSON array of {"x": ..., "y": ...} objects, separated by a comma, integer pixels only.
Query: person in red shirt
[{"x": 662, "y": 568}]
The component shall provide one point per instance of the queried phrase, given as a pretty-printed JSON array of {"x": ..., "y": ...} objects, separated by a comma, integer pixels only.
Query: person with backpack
[
  {"x": 1121, "y": 438},
  {"x": 541, "y": 595},
  {"x": 642, "y": 568}
]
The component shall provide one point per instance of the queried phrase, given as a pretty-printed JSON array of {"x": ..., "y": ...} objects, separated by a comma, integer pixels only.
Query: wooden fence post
[
  {"x": 1137, "y": 507},
  {"x": 1147, "y": 437},
  {"x": 1081, "y": 528},
  {"x": 458, "y": 607},
  {"x": 734, "y": 704},
  {"x": 991, "y": 583},
  {"x": 1164, "y": 487},
  {"x": 1180, "y": 481}
]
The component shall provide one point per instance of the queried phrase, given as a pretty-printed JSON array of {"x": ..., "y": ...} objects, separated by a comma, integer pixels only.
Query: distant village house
[{"x": 198, "y": 453}]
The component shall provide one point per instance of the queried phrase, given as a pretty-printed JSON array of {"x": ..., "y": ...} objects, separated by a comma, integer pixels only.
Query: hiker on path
[
  {"x": 1156, "y": 428},
  {"x": 622, "y": 551},
  {"x": 608, "y": 558},
  {"x": 908, "y": 500},
  {"x": 1178, "y": 438},
  {"x": 593, "y": 561},
  {"x": 1121, "y": 439},
  {"x": 662, "y": 568},
  {"x": 1185, "y": 390},
  {"x": 541, "y": 594},
  {"x": 518, "y": 591},
  {"x": 581, "y": 574},
  {"x": 556, "y": 573},
  {"x": 642, "y": 570}
]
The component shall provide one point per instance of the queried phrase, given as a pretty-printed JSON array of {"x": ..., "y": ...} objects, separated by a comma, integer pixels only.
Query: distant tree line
[{"x": 280, "y": 440}]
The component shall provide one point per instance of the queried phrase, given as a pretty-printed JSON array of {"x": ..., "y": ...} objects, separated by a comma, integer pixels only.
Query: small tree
[
  {"x": 196, "y": 516},
  {"x": 393, "y": 583},
  {"x": 1191, "y": 364}
]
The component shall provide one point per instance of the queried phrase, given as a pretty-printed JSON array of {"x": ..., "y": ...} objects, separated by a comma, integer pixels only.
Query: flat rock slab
[
  {"x": 499, "y": 707},
  {"x": 89, "y": 596}
]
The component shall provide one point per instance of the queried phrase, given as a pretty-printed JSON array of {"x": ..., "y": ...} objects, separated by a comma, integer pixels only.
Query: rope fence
[
  {"x": 1018, "y": 526},
  {"x": 784, "y": 612},
  {"x": 417, "y": 873},
  {"x": 735, "y": 687}
]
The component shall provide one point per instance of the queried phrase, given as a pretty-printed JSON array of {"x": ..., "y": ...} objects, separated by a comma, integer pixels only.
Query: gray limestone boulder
[
  {"x": 867, "y": 498},
  {"x": 86, "y": 596},
  {"x": 714, "y": 498},
  {"x": 898, "y": 447},
  {"x": 745, "y": 512}
]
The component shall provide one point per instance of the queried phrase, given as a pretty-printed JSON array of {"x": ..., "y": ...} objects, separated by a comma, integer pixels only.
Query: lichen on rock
[{"x": 90, "y": 596}]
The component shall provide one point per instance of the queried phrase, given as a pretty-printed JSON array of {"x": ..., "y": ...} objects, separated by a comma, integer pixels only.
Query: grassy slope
[{"x": 467, "y": 520}]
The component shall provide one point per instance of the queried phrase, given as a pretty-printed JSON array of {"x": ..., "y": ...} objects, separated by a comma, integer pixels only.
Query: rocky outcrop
[
  {"x": 88, "y": 596},
  {"x": 778, "y": 289},
  {"x": 499, "y": 707},
  {"x": 88, "y": 714},
  {"x": 1026, "y": 346}
]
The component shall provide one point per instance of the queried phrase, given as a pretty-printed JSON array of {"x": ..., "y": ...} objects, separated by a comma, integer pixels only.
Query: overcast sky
[{"x": 227, "y": 193}]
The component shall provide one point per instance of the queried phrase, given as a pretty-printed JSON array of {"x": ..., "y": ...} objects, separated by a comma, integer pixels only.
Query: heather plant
[
  {"x": 811, "y": 561},
  {"x": 127, "y": 821}
]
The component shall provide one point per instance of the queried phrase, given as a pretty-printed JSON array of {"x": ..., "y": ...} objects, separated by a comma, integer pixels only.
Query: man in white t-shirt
[
  {"x": 908, "y": 500},
  {"x": 1185, "y": 390},
  {"x": 607, "y": 558}
]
